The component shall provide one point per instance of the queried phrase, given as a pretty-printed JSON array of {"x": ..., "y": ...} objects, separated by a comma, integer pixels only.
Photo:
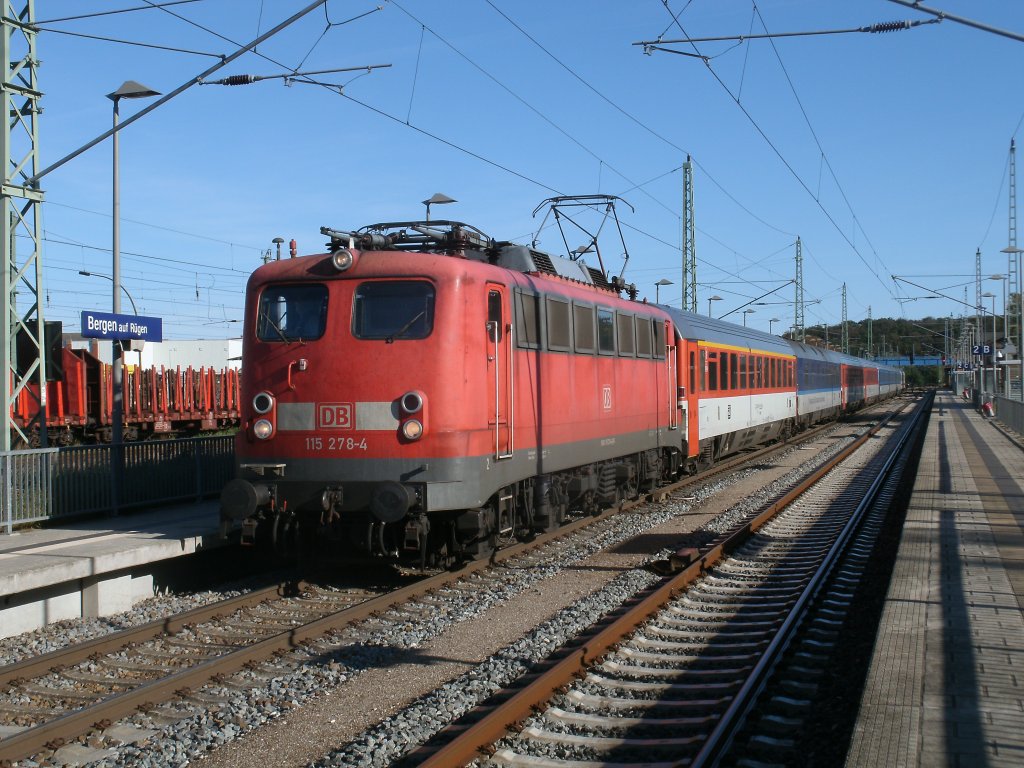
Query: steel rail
[
  {"x": 469, "y": 743},
  {"x": 74, "y": 724},
  {"x": 37, "y": 666},
  {"x": 725, "y": 731}
]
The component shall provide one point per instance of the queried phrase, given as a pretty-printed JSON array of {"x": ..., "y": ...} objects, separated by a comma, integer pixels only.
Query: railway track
[
  {"x": 60, "y": 696},
  {"x": 723, "y": 655}
]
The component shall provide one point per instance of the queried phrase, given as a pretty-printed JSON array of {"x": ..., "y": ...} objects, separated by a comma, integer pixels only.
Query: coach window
[
  {"x": 760, "y": 372},
  {"x": 693, "y": 373},
  {"x": 734, "y": 371},
  {"x": 713, "y": 371},
  {"x": 527, "y": 321},
  {"x": 625, "y": 334},
  {"x": 744, "y": 381},
  {"x": 292, "y": 312},
  {"x": 606, "y": 331},
  {"x": 659, "y": 338},
  {"x": 559, "y": 335},
  {"x": 583, "y": 328},
  {"x": 703, "y": 369},
  {"x": 393, "y": 309},
  {"x": 643, "y": 337}
]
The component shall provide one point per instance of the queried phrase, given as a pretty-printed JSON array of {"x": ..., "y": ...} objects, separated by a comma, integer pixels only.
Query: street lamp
[
  {"x": 108, "y": 277},
  {"x": 657, "y": 288},
  {"x": 128, "y": 90},
  {"x": 437, "y": 199},
  {"x": 745, "y": 313},
  {"x": 710, "y": 299},
  {"x": 771, "y": 322}
]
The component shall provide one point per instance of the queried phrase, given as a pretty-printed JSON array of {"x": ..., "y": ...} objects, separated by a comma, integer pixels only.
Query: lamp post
[
  {"x": 657, "y": 288},
  {"x": 108, "y": 277},
  {"x": 771, "y": 322},
  {"x": 437, "y": 199},
  {"x": 745, "y": 313},
  {"x": 710, "y": 299},
  {"x": 128, "y": 90},
  {"x": 1004, "y": 280}
]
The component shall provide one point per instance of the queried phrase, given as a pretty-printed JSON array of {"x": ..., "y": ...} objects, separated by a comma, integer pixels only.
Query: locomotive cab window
[
  {"x": 292, "y": 312},
  {"x": 393, "y": 309}
]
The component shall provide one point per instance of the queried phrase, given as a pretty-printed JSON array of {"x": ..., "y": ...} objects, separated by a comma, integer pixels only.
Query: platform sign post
[{"x": 118, "y": 328}]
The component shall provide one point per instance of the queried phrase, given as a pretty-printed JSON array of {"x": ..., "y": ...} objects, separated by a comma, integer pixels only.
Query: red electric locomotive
[{"x": 420, "y": 391}]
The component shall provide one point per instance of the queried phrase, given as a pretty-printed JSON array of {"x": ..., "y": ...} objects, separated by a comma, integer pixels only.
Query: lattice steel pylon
[
  {"x": 1015, "y": 318},
  {"x": 20, "y": 230},
  {"x": 689, "y": 246},
  {"x": 871, "y": 339},
  {"x": 846, "y": 327},
  {"x": 798, "y": 301}
]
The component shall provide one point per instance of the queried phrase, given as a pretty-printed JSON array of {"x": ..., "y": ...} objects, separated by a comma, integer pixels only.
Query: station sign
[
  {"x": 981, "y": 349},
  {"x": 107, "y": 325}
]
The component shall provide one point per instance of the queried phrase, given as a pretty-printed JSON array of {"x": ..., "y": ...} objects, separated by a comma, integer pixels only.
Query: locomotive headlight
[
  {"x": 263, "y": 402},
  {"x": 412, "y": 402},
  {"x": 412, "y": 429},
  {"x": 263, "y": 429},
  {"x": 342, "y": 259}
]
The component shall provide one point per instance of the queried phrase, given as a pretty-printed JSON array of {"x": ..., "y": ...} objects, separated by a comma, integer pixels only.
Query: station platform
[
  {"x": 98, "y": 567},
  {"x": 946, "y": 682}
]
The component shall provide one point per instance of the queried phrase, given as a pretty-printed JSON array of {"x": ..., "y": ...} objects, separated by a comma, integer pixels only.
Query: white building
[{"x": 170, "y": 353}]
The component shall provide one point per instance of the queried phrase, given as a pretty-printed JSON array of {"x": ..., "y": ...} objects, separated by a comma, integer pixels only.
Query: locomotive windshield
[
  {"x": 393, "y": 309},
  {"x": 292, "y": 313}
]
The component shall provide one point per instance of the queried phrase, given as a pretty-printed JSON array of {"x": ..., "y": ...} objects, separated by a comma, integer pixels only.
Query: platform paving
[
  {"x": 96, "y": 567},
  {"x": 946, "y": 683}
]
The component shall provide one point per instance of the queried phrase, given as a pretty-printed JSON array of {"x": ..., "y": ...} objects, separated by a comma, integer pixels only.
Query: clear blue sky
[{"x": 886, "y": 153}]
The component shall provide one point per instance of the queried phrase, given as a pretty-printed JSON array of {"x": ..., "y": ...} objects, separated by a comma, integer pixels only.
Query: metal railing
[
  {"x": 62, "y": 482},
  {"x": 1011, "y": 413}
]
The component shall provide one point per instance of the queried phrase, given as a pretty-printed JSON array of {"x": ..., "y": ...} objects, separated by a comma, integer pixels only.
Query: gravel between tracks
[{"x": 451, "y": 655}]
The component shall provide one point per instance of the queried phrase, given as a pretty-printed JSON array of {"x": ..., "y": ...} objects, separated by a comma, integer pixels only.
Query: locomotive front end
[{"x": 344, "y": 365}]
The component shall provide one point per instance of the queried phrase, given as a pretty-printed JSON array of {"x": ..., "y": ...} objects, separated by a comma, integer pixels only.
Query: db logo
[
  {"x": 334, "y": 416},
  {"x": 606, "y": 398}
]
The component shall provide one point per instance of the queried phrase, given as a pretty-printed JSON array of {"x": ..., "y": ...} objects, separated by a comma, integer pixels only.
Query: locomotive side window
[
  {"x": 527, "y": 321},
  {"x": 659, "y": 339},
  {"x": 292, "y": 312},
  {"x": 559, "y": 336},
  {"x": 583, "y": 328},
  {"x": 393, "y": 309},
  {"x": 494, "y": 320},
  {"x": 626, "y": 335},
  {"x": 643, "y": 337},
  {"x": 605, "y": 331}
]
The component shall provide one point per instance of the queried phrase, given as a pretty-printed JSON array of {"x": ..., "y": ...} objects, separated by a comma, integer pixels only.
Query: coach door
[{"x": 500, "y": 403}]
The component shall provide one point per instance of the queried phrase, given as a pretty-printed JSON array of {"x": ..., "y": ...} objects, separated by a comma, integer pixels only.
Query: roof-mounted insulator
[{"x": 889, "y": 26}]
